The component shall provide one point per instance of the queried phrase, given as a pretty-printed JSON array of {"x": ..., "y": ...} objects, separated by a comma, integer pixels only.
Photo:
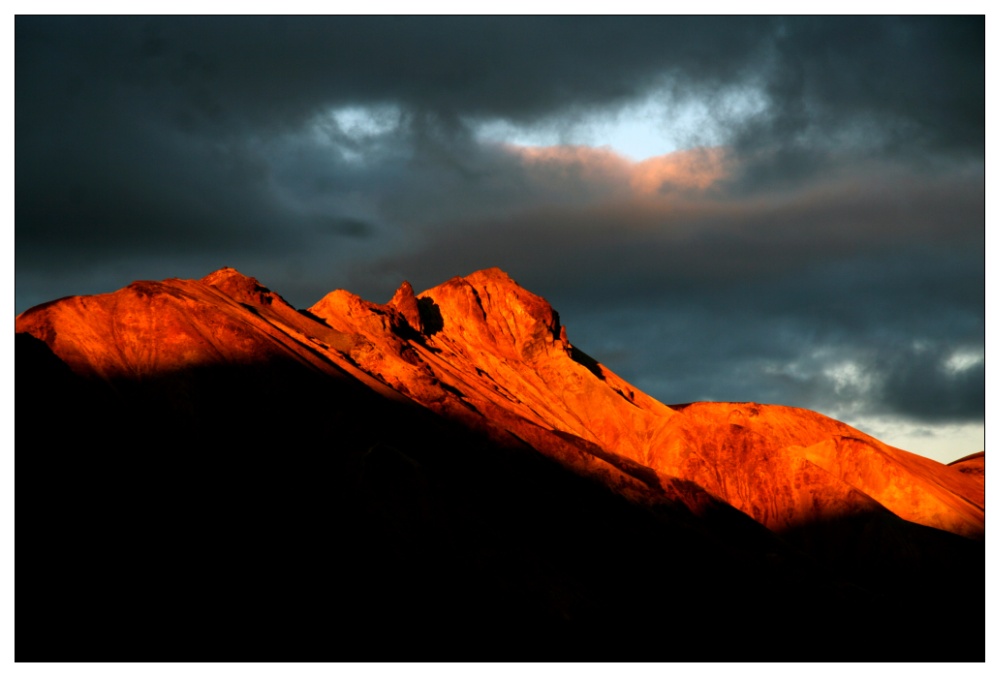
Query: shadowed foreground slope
[{"x": 204, "y": 472}]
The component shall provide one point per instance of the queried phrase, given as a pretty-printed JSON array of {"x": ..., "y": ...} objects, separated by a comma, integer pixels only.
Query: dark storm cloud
[
  {"x": 837, "y": 258},
  {"x": 272, "y": 70},
  {"x": 921, "y": 78},
  {"x": 127, "y": 119},
  {"x": 914, "y": 81},
  {"x": 912, "y": 87}
]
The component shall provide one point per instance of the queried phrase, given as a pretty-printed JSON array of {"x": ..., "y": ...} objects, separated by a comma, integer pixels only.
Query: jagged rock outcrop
[{"x": 405, "y": 301}]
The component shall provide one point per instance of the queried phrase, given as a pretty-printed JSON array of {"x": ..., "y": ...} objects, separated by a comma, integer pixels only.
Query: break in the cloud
[{"x": 776, "y": 209}]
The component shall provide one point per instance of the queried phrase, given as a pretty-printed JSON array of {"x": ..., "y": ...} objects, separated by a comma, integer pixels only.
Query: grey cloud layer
[{"x": 849, "y": 230}]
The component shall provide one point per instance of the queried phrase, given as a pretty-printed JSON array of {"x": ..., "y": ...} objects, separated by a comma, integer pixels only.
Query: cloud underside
[{"x": 818, "y": 241}]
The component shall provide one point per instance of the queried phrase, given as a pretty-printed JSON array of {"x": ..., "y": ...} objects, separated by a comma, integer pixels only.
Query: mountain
[{"x": 217, "y": 475}]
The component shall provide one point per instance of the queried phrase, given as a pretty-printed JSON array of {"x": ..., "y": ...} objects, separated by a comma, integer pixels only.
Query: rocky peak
[
  {"x": 240, "y": 287},
  {"x": 490, "y": 308}
]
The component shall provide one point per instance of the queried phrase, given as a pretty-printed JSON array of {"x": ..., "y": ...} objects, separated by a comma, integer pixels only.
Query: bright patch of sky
[
  {"x": 650, "y": 127},
  {"x": 366, "y": 120},
  {"x": 943, "y": 443},
  {"x": 848, "y": 377},
  {"x": 963, "y": 359},
  {"x": 350, "y": 128}
]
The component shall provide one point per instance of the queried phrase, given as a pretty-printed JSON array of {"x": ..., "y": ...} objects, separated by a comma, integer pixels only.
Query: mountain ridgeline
[{"x": 206, "y": 473}]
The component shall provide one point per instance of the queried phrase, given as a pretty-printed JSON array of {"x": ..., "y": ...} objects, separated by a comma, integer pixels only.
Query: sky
[{"x": 786, "y": 210}]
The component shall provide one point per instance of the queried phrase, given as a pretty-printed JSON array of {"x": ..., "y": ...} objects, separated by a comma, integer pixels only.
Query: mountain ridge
[
  {"x": 481, "y": 356},
  {"x": 482, "y": 347}
]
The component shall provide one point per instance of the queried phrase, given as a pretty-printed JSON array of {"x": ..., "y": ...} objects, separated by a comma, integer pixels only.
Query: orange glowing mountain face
[
  {"x": 484, "y": 351},
  {"x": 453, "y": 450},
  {"x": 490, "y": 351}
]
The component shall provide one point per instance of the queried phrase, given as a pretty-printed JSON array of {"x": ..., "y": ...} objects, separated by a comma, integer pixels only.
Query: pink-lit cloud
[{"x": 689, "y": 170}]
